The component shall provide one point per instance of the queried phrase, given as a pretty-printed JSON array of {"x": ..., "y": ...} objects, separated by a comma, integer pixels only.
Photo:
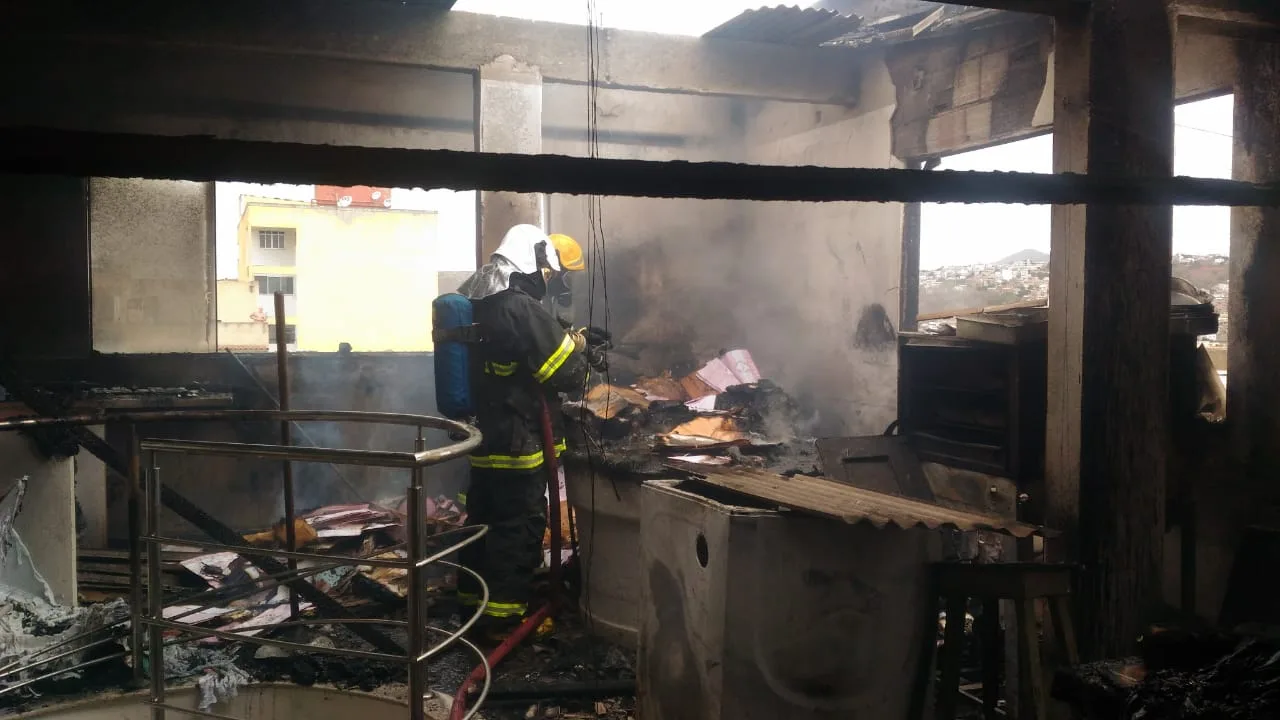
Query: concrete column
[
  {"x": 1058, "y": 504},
  {"x": 91, "y": 491},
  {"x": 1253, "y": 385},
  {"x": 47, "y": 522},
  {"x": 508, "y": 119},
  {"x": 1124, "y": 426},
  {"x": 1108, "y": 423}
]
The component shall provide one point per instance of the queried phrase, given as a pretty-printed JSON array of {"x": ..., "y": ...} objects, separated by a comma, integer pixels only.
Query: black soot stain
[
  {"x": 875, "y": 332},
  {"x": 676, "y": 685}
]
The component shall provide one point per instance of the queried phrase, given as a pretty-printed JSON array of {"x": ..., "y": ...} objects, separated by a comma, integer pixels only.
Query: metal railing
[{"x": 145, "y": 502}]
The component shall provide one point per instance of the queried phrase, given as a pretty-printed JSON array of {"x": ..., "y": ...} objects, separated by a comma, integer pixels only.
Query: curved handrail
[
  {"x": 470, "y": 435},
  {"x": 464, "y": 437}
]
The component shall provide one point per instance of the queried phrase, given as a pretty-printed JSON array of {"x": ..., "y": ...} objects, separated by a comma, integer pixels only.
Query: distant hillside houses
[{"x": 1024, "y": 275}]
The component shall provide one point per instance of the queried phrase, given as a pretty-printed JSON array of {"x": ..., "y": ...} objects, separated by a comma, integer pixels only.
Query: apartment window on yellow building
[
  {"x": 270, "y": 239},
  {"x": 272, "y": 284},
  {"x": 290, "y": 334}
]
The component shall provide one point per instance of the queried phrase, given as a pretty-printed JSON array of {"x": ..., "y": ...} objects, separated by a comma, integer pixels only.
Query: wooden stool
[{"x": 1022, "y": 583}]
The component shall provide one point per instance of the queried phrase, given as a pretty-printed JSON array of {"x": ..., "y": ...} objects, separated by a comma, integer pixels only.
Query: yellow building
[
  {"x": 242, "y": 326},
  {"x": 365, "y": 276}
]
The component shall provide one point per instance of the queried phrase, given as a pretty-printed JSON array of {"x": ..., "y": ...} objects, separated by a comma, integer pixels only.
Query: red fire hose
[{"x": 552, "y": 464}]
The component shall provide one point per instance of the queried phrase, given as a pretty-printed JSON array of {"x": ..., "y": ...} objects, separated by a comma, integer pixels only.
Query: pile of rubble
[
  {"x": 1181, "y": 675},
  {"x": 721, "y": 414},
  {"x": 361, "y": 530},
  {"x": 225, "y": 592}
]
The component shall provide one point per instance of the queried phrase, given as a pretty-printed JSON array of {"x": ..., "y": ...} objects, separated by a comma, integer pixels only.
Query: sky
[
  {"x": 674, "y": 17},
  {"x": 971, "y": 234}
]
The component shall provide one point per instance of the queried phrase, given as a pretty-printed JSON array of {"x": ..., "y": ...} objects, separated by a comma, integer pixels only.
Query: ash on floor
[{"x": 569, "y": 656}]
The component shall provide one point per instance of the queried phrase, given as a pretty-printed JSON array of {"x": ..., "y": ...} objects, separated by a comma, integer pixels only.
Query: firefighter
[{"x": 526, "y": 355}]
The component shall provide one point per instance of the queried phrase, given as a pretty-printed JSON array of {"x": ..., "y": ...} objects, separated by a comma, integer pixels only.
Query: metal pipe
[
  {"x": 135, "y": 549},
  {"x": 155, "y": 594},
  {"x": 552, "y": 465},
  {"x": 252, "y": 586},
  {"x": 242, "y": 589},
  {"x": 253, "y": 640},
  {"x": 417, "y": 679},
  {"x": 55, "y": 673},
  {"x": 471, "y": 621},
  {"x": 192, "y": 513},
  {"x": 167, "y": 416},
  {"x": 307, "y": 622},
  {"x": 55, "y": 658},
  {"x": 338, "y": 560},
  {"x": 481, "y": 531},
  {"x": 382, "y": 458},
  {"x": 155, "y": 496},
  {"x": 321, "y": 455},
  {"x": 286, "y": 440}
]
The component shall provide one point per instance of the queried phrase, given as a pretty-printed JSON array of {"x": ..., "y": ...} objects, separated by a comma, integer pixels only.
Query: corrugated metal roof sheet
[
  {"x": 787, "y": 25},
  {"x": 838, "y": 501},
  {"x": 943, "y": 20}
]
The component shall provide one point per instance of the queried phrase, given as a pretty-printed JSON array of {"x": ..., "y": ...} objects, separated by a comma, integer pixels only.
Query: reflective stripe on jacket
[
  {"x": 526, "y": 355},
  {"x": 531, "y": 461}
]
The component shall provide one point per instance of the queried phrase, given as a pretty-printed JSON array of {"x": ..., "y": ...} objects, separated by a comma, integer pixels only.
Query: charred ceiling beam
[
  {"x": 1035, "y": 7},
  {"x": 1238, "y": 18},
  {"x": 1255, "y": 19},
  {"x": 64, "y": 152},
  {"x": 394, "y": 36},
  {"x": 994, "y": 85}
]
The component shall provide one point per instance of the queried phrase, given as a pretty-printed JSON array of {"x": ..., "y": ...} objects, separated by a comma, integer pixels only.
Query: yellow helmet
[{"x": 569, "y": 251}]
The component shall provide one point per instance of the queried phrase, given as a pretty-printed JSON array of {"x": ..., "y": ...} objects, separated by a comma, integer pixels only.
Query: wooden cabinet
[{"x": 974, "y": 405}]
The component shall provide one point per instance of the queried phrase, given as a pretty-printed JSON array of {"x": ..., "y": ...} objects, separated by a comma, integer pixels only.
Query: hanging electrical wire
[
  {"x": 595, "y": 205},
  {"x": 598, "y": 276}
]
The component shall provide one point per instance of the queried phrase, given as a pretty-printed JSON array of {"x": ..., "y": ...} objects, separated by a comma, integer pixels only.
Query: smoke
[
  {"x": 809, "y": 291},
  {"x": 373, "y": 382}
]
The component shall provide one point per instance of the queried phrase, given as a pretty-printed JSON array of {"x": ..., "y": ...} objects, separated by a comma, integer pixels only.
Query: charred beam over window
[
  {"x": 1254, "y": 19},
  {"x": 86, "y": 154},
  {"x": 412, "y": 36},
  {"x": 1259, "y": 19},
  {"x": 1034, "y": 7}
]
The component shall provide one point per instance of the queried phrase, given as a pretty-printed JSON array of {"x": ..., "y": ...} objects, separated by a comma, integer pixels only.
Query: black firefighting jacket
[{"x": 525, "y": 355}]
